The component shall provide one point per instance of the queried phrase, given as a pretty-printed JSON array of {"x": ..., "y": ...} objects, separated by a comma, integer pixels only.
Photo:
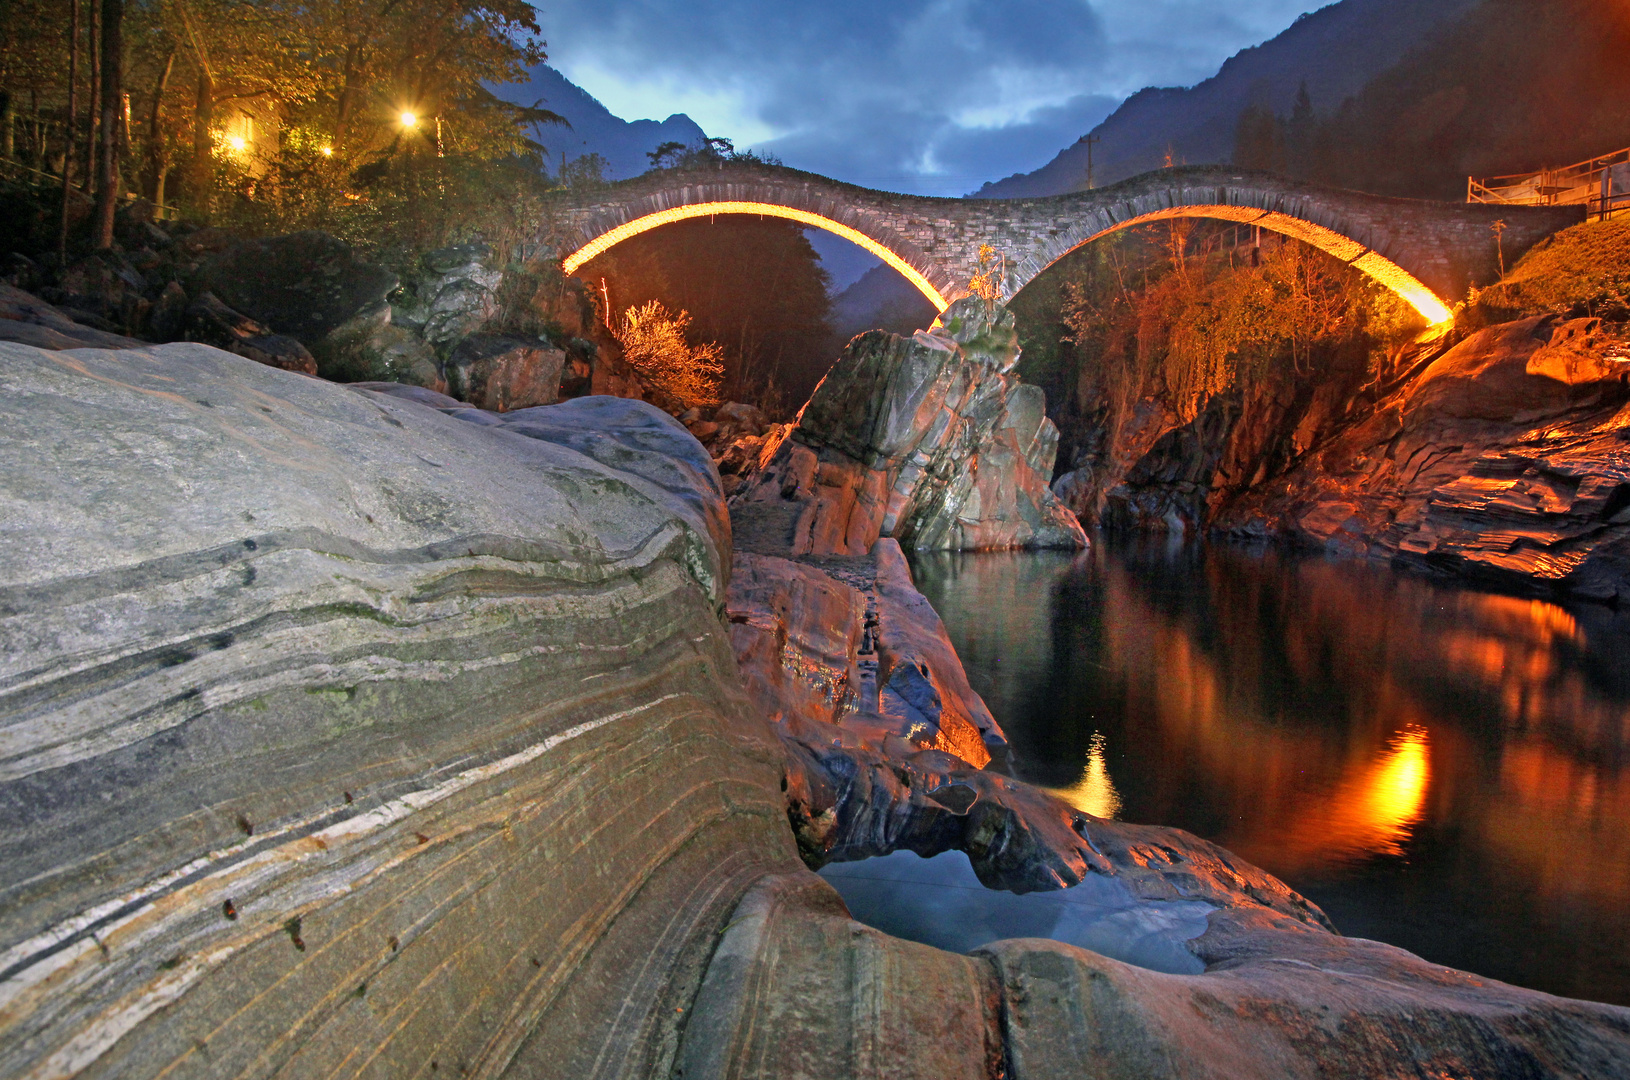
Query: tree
[
  {"x": 1258, "y": 140},
  {"x": 110, "y": 186}
]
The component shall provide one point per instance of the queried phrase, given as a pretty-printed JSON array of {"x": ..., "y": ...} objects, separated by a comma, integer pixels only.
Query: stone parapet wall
[{"x": 1447, "y": 246}]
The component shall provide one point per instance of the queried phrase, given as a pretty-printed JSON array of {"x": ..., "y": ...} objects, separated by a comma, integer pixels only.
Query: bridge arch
[
  {"x": 1426, "y": 252},
  {"x": 628, "y": 229},
  {"x": 1375, "y": 266}
]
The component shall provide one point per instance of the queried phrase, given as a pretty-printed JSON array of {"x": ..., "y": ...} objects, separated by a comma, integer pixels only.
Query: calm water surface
[{"x": 1443, "y": 769}]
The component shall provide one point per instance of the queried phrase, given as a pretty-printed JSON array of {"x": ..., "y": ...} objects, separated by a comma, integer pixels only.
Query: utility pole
[{"x": 1089, "y": 140}]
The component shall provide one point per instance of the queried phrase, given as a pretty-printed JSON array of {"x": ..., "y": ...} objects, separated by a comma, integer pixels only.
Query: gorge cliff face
[{"x": 1495, "y": 455}]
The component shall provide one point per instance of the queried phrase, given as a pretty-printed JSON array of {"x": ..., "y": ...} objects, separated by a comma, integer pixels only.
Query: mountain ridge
[{"x": 1196, "y": 124}]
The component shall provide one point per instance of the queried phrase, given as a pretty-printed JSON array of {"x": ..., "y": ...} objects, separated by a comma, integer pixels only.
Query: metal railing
[{"x": 1601, "y": 185}]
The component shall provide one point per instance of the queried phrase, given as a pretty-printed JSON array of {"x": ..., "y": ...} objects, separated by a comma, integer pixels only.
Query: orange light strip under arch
[
  {"x": 606, "y": 241},
  {"x": 1383, "y": 270}
]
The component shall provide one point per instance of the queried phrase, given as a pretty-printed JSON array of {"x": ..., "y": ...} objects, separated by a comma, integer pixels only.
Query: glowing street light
[
  {"x": 237, "y": 143},
  {"x": 408, "y": 120},
  {"x": 328, "y": 151}
]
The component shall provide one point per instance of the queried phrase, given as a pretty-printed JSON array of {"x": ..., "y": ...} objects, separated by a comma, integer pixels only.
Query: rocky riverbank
[
  {"x": 456, "y": 321},
  {"x": 1495, "y": 456},
  {"x": 355, "y": 730}
]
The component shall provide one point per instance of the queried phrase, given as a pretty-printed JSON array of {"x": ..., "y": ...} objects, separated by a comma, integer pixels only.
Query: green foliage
[{"x": 1587, "y": 266}]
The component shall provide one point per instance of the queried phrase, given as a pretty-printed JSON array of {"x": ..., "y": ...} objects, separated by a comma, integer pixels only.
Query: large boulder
[
  {"x": 456, "y": 296},
  {"x": 370, "y": 348},
  {"x": 305, "y": 284},
  {"x": 209, "y": 321},
  {"x": 493, "y": 371},
  {"x": 929, "y": 439},
  {"x": 338, "y": 730}
]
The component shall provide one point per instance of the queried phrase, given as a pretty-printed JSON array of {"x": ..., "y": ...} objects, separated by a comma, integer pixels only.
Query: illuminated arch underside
[
  {"x": 606, "y": 241},
  {"x": 1381, "y": 269}
]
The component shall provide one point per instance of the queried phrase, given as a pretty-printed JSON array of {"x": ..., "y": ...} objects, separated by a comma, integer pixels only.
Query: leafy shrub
[{"x": 683, "y": 375}]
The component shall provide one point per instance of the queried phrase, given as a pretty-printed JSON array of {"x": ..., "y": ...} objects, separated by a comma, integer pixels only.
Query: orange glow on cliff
[
  {"x": 1383, "y": 271},
  {"x": 603, "y": 243}
]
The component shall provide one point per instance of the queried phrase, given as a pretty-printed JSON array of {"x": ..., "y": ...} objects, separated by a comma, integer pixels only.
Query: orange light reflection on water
[{"x": 1095, "y": 792}]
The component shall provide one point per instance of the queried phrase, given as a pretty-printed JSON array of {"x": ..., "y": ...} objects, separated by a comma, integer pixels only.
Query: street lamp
[{"x": 409, "y": 120}]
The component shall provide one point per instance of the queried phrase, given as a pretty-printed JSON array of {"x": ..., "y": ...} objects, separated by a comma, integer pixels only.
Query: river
[{"x": 1440, "y": 768}]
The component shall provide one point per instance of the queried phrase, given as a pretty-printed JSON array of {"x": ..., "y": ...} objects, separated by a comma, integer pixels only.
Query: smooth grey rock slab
[{"x": 339, "y": 736}]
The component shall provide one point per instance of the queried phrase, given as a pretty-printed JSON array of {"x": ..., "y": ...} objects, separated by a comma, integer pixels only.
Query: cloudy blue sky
[{"x": 929, "y": 96}]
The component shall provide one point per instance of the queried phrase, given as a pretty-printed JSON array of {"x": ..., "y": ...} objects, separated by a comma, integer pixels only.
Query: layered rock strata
[
  {"x": 342, "y": 737},
  {"x": 358, "y": 733},
  {"x": 1504, "y": 460},
  {"x": 929, "y": 439}
]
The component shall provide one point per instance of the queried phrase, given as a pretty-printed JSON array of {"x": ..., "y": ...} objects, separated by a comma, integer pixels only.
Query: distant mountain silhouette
[
  {"x": 1336, "y": 50},
  {"x": 594, "y": 130}
]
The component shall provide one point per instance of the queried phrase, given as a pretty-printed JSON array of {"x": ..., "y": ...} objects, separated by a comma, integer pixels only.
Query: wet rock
[
  {"x": 210, "y": 321},
  {"x": 929, "y": 439},
  {"x": 305, "y": 284},
  {"x": 492, "y": 371}
]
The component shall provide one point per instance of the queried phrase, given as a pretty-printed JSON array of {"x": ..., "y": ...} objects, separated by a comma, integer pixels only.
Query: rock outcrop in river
[
  {"x": 353, "y": 733},
  {"x": 928, "y": 439}
]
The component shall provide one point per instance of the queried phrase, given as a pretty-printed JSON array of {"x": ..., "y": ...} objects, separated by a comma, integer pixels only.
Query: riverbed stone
[{"x": 500, "y": 373}]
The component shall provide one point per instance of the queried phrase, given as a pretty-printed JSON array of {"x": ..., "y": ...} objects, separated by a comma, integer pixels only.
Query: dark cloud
[{"x": 934, "y": 96}]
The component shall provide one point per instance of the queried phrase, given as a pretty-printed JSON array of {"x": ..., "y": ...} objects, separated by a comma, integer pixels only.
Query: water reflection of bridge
[{"x": 1427, "y": 252}]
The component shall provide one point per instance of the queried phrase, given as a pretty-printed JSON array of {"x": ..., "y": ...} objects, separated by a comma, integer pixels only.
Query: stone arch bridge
[{"x": 1427, "y": 252}]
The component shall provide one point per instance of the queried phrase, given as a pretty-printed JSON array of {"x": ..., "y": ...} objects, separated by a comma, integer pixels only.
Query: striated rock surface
[
  {"x": 1504, "y": 460},
  {"x": 338, "y": 736},
  {"x": 929, "y": 439},
  {"x": 354, "y": 732}
]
